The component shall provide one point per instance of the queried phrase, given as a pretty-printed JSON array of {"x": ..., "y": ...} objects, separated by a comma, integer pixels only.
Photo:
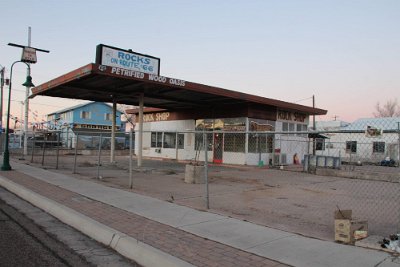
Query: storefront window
[
  {"x": 260, "y": 142},
  {"x": 156, "y": 139},
  {"x": 228, "y": 124},
  {"x": 169, "y": 140},
  {"x": 257, "y": 142},
  {"x": 234, "y": 125},
  {"x": 198, "y": 141},
  {"x": 234, "y": 142}
]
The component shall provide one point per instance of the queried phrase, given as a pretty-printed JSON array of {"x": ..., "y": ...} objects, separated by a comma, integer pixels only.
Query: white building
[
  {"x": 353, "y": 142},
  {"x": 236, "y": 135}
]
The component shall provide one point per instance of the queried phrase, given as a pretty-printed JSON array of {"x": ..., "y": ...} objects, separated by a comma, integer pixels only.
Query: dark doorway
[{"x": 218, "y": 146}]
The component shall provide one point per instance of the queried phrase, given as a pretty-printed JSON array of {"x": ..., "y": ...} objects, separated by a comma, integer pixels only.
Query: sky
[{"x": 346, "y": 53}]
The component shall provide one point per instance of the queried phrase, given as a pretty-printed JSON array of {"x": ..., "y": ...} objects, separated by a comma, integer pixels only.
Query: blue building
[{"x": 88, "y": 121}]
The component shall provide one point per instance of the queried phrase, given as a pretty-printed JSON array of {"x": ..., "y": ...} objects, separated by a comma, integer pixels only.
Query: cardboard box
[{"x": 348, "y": 230}]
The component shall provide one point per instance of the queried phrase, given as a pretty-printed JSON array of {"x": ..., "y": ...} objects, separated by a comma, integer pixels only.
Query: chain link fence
[{"x": 262, "y": 177}]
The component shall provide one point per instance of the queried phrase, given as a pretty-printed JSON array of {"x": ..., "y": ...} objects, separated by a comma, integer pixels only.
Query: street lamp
[{"x": 28, "y": 83}]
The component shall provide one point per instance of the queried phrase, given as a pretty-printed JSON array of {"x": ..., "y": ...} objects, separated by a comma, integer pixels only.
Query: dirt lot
[{"x": 291, "y": 201}]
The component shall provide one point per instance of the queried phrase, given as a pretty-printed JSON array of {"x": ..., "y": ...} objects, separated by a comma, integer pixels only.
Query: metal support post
[
  {"x": 176, "y": 145},
  {"x": 58, "y": 149},
  {"x": 140, "y": 139},
  {"x": 114, "y": 126},
  {"x": 43, "y": 151},
  {"x": 206, "y": 169},
  {"x": 33, "y": 147},
  {"x": 130, "y": 160},
  {"x": 76, "y": 152}
]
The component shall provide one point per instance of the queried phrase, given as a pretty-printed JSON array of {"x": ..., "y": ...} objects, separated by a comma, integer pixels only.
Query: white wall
[
  {"x": 364, "y": 147},
  {"x": 180, "y": 126}
]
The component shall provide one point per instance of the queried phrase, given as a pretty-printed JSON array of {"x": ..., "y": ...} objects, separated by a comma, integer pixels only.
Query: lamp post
[{"x": 28, "y": 83}]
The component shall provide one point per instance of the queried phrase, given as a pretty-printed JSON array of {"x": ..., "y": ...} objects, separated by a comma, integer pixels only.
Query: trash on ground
[
  {"x": 347, "y": 229},
  {"x": 391, "y": 243}
]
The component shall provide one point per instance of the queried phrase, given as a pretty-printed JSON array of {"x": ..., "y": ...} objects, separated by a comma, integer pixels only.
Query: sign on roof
[{"x": 127, "y": 59}]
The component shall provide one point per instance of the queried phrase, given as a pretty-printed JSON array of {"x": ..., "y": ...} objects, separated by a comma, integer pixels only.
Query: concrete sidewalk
[{"x": 158, "y": 233}]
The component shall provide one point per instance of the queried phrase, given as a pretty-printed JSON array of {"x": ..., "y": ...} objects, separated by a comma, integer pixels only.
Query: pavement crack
[
  {"x": 183, "y": 216},
  {"x": 382, "y": 261},
  {"x": 191, "y": 224},
  {"x": 269, "y": 242}
]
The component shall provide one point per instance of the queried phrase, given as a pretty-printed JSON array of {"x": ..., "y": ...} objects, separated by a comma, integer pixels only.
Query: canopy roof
[{"x": 104, "y": 84}]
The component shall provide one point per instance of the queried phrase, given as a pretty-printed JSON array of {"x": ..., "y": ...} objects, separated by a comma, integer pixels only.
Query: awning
[
  {"x": 105, "y": 84},
  {"x": 317, "y": 135}
]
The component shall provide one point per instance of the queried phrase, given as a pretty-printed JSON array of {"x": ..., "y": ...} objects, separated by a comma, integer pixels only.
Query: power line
[
  {"x": 40, "y": 104},
  {"x": 303, "y": 99},
  {"x": 47, "y": 105}
]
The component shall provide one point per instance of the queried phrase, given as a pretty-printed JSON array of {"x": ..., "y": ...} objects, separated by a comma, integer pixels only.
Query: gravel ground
[{"x": 292, "y": 201}]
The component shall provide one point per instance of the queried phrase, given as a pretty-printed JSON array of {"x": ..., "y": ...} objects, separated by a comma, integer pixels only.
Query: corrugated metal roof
[
  {"x": 389, "y": 123},
  {"x": 78, "y": 106}
]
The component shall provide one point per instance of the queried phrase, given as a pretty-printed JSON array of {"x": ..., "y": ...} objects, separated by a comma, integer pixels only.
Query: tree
[{"x": 390, "y": 109}]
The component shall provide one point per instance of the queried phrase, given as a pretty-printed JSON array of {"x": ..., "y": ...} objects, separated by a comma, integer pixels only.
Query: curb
[{"x": 125, "y": 245}]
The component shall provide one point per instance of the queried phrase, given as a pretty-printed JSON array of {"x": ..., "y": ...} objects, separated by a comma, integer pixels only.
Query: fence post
[
  {"x": 44, "y": 149},
  {"x": 130, "y": 160},
  {"x": 176, "y": 145},
  {"x": 58, "y": 149},
  {"x": 21, "y": 147},
  {"x": 76, "y": 152},
  {"x": 206, "y": 168},
  {"x": 398, "y": 144},
  {"x": 33, "y": 147},
  {"x": 98, "y": 162}
]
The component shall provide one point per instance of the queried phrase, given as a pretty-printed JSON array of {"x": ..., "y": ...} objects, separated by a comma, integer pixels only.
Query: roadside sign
[{"x": 29, "y": 55}]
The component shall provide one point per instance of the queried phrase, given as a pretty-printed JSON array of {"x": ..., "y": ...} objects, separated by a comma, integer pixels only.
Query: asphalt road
[
  {"x": 31, "y": 237},
  {"x": 19, "y": 247}
]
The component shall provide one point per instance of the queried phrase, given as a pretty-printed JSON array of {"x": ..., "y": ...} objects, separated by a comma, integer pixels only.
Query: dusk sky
[{"x": 346, "y": 53}]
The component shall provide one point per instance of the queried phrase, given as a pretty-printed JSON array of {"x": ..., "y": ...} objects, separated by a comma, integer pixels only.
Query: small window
[
  {"x": 285, "y": 127},
  {"x": 320, "y": 144},
  {"x": 85, "y": 114},
  {"x": 351, "y": 147},
  {"x": 329, "y": 145},
  {"x": 181, "y": 141},
  {"x": 378, "y": 147},
  {"x": 301, "y": 128},
  {"x": 291, "y": 127},
  {"x": 156, "y": 139},
  {"x": 169, "y": 140},
  {"x": 108, "y": 116}
]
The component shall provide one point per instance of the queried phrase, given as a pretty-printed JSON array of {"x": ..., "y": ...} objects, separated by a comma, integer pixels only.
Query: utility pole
[{"x": 26, "y": 115}]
